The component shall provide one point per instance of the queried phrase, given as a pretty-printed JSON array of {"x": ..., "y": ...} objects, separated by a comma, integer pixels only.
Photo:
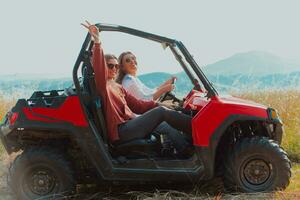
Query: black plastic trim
[{"x": 217, "y": 135}]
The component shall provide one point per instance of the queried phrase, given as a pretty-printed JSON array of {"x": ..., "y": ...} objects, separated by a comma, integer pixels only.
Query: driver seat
[{"x": 133, "y": 148}]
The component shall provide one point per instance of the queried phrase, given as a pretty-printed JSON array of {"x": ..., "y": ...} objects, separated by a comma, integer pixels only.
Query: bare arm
[{"x": 163, "y": 89}]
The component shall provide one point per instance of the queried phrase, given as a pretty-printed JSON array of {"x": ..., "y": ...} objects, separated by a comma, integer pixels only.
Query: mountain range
[
  {"x": 253, "y": 70},
  {"x": 253, "y": 63}
]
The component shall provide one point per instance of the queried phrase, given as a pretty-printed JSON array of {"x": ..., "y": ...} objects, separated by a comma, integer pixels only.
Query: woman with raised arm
[
  {"x": 127, "y": 76},
  {"x": 120, "y": 107}
]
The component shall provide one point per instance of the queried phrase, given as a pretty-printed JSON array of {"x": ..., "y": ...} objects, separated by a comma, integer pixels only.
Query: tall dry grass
[{"x": 5, "y": 105}]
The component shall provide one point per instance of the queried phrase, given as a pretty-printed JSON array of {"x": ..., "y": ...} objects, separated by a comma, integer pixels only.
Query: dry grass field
[{"x": 288, "y": 105}]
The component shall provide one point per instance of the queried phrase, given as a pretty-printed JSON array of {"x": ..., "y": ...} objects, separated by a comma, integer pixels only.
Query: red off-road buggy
[{"x": 62, "y": 136}]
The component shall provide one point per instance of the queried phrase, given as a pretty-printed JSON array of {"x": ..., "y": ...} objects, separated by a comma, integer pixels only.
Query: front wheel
[
  {"x": 41, "y": 173},
  {"x": 256, "y": 164}
]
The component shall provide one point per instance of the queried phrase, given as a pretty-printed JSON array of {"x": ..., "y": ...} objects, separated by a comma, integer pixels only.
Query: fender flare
[{"x": 208, "y": 154}]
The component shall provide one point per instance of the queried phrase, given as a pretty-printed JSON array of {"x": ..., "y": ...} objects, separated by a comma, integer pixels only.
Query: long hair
[{"x": 121, "y": 72}]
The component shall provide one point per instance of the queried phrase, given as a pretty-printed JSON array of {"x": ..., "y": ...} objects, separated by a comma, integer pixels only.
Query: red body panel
[
  {"x": 69, "y": 111},
  {"x": 213, "y": 112}
]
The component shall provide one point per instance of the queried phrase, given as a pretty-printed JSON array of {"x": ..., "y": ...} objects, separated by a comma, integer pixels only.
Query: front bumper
[
  {"x": 278, "y": 132},
  {"x": 275, "y": 130},
  {"x": 275, "y": 127}
]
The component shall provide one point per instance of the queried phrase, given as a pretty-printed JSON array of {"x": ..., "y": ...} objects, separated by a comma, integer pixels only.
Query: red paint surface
[
  {"x": 212, "y": 113},
  {"x": 69, "y": 111}
]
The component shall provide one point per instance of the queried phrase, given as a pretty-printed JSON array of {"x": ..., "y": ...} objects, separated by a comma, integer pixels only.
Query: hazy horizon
[
  {"x": 45, "y": 37},
  {"x": 232, "y": 64}
]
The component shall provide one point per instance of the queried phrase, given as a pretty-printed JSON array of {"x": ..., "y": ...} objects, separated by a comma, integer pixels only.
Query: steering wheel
[
  {"x": 169, "y": 96},
  {"x": 166, "y": 96}
]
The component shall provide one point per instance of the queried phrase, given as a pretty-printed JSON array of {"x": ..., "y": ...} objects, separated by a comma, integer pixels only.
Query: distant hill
[
  {"x": 24, "y": 87},
  {"x": 154, "y": 79},
  {"x": 236, "y": 82},
  {"x": 253, "y": 63},
  {"x": 244, "y": 71},
  {"x": 18, "y": 76}
]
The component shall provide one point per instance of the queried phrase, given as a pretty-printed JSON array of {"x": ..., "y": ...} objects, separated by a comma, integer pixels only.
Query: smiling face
[
  {"x": 129, "y": 64},
  {"x": 113, "y": 67}
]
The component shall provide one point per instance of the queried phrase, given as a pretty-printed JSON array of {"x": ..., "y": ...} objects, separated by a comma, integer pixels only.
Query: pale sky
[{"x": 44, "y": 37}]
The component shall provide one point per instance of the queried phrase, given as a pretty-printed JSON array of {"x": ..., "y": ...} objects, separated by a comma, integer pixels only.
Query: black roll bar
[
  {"x": 131, "y": 31},
  {"x": 189, "y": 58}
]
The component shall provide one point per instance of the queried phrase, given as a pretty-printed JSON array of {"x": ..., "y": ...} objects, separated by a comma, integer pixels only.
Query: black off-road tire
[
  {"x": 256, "y": 164},
  {"x": 41, "y": 173}
]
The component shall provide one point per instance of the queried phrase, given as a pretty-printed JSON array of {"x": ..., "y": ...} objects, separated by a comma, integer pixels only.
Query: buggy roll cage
[{"x": 167, "y": 42}]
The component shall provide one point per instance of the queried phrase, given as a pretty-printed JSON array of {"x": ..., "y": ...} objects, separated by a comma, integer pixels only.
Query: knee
[{"x": 162, "y": 110}]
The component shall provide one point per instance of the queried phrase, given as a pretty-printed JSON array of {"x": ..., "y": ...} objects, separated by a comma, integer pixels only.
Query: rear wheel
[
  {"x": 41, "y": 173},
  {"x": 257, "y": 164}
]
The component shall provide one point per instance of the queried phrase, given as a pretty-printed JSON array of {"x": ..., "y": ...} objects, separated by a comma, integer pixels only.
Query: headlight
[{"x": 273, "y": 115}]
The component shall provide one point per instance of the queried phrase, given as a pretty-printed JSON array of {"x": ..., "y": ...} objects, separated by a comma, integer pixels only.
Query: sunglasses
[
  {"x": 128, "y": 59},
  {"x": 111, "y": 66}
]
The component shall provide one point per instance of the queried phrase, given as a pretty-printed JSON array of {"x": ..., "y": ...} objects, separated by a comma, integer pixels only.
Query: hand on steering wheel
[
  {"x": 171, "y": 80},
  {"x": 167, "y": 96},
  {"x": 169, "y": 87}
]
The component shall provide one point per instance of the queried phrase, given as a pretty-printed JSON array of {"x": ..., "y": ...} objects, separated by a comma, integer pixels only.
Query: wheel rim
[
  {"x": 40, "y": 182},
  {"x": 256, "y": 172}
]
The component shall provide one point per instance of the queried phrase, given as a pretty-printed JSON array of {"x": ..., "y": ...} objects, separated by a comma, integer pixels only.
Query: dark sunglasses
[
  {"x": 129, "y": 59},
  {"x": 111, "y": 66}
]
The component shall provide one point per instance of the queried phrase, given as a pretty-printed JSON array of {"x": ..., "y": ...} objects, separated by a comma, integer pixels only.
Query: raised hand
[
  {"x": 168, "y": 87},
  {"x": 93, "y": 30},
  {"x": 171, "y": 80}
]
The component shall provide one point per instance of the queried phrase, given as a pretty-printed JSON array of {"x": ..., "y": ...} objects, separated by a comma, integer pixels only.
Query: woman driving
[{"x": 127, "y": 77}]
